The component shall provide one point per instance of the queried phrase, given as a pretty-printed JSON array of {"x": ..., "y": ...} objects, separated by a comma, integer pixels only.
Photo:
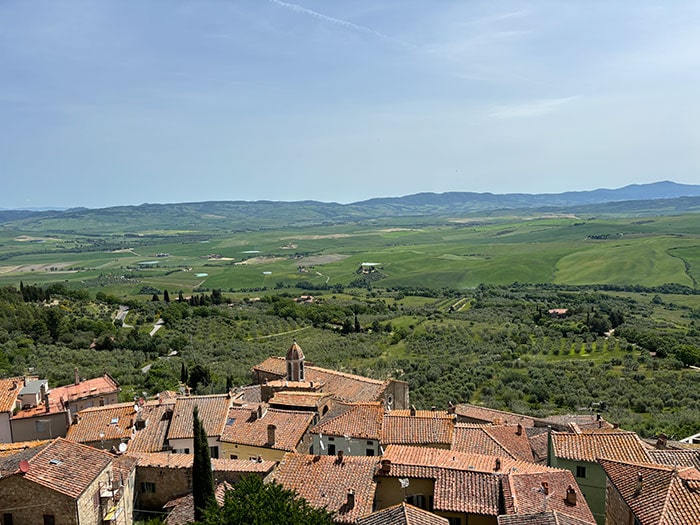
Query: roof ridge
[{"x": 669, "y": 490}]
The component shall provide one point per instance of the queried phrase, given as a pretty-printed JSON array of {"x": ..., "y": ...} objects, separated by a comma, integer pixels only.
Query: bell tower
[{"x": 295, "y": 363}]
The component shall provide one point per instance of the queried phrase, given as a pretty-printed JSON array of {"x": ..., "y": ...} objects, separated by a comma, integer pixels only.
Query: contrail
[{"x": 337, "y": 21}]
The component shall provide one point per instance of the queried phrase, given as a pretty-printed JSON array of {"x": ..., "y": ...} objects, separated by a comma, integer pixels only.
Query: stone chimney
[
  {"x": 385, "y": 467},
  {"x": 253, "y": 414},
  {"x": 638, "y": 486},
  {"x": 271, "y": 435},
  {"x": 498, "y": 465},
  {"x": 545, "y": 488},
  {"x": 570, "y": 495},
  {"x": 412, "y": 410},
  {"x": 519, "y": 430},
  {"x": 77, "y": 375},
  {"x": 662, "y": 441},
  {"x": 339, "y": 460},
  {"x": 46, "y": 403}
]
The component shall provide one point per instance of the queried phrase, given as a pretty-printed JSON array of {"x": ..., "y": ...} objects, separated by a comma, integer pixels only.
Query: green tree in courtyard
[{"x": 252, "y": 502}]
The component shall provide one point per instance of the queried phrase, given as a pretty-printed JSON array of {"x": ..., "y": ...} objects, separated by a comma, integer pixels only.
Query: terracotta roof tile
[
  {"x": 525, "y": 493},
  {"x": 8, "y": 449},
  {"x": 542, "y": 518},
  {"x": 9, "y": 390},
  {"x": 657, "y": 494},
  {"x": 108, "y": 423},
  {"x": 494, "y": 440},
  {"x": 399, "y": 427},
  {"x": 492, "y": 416},
  {"x": 361, "y": 421},
  {"x": 681, "y": 458},
  {"x": 324, "y": 482},
  {"x": 67, "y": 467},
  {"x": 152, "y": 437},
  {"x": 402, "y": 514},
  {"x": 10, "y": 458},
  {"x": 97, "y": 386},
  {"x": 299, "y": 399},
  {"x": 623, "y": 446},
  {"x": 242, "y": 428},
  {"x": 346, "y": 387},
  {"x": 181, "y": 510},
  {"x": 212, "y": 412}
]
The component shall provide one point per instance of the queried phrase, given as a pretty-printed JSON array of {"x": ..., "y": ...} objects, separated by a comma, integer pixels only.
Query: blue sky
[{"x": 116, "y": 102}]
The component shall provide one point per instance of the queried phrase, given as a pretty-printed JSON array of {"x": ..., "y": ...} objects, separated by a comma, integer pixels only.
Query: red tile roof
[
  {"x": 181, "y": 510},
  {"x": 346, "y": 387},
  {"x": 657, "y": 494},
  {"x": 106, "y": 423},
  {"x": 98, "y": 386},
  {"x": 242, "y": 428},
  {"x": 542, "y": 518},
  {"x": 325, "y": 482},
  {"x": 623, "y": 446},
  {"x": 360, "y": 421},
  {"x": 681, "y": 458},
  {"x": 67, "y": 467},
  {"x": 490, "y": 415},
  {"x": 9, "y": 390},
  {"x": 501, "y": 440},
  {"x": 213, "y": 410},
  {"x": 152, "y": 437},
  {"x": 399, "y": 427},
  {"x": 402, "y": 514},
  {"x": 525, "y": 493},
  {"x": 299, "y": 399}
]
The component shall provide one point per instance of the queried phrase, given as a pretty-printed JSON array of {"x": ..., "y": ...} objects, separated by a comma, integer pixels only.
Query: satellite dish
[
  {"x": 122, "y": 448},
  {"x": 24, "y": 466}
]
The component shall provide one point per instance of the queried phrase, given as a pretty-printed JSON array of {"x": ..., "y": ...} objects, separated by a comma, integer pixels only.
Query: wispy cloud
[
  {"x": 336, "y": 21},
  {"x": 531, "y": 109}
]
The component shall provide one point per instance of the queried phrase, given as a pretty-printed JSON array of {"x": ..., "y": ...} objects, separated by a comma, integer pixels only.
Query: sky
[{"x": 120, "y": 102}]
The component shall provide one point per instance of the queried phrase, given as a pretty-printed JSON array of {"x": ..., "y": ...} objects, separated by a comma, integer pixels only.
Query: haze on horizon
[{"x": 114, "y": 103}]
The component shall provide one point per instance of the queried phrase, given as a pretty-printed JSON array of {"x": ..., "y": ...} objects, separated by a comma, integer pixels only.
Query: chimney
[
  {"x": 77, "y": 375},
  {"x": 433, "y": 408},
  {"x": 350, "y": 503},
  {"x": 271, "y": 434},
  {"x": 46, "y": 403},
  {"x": 661, "y": 441},
  {"x": 412, "y": 410},
  {"x": 253, "y": 414},
  {"x": 638, "y": 487},
  {"x": 340, "y": 457},
  {"x": 570, "y": 495},
  {"x": 261, "y": 412},
  {"x": 519, "y": 430},
  {"x": 385, "y": 466},
  {"x": 545, "y": 488},
  {"x": 498, "y": 465}
]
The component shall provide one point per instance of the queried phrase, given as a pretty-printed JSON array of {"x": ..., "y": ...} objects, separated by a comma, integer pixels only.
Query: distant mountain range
[{"x": 638, "y": 199}]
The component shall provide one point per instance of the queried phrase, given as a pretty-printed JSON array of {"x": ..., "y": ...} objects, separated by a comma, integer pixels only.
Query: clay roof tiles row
[
  {"x": 244, "y": 428},
  {"x": 110, "y": 422},
  {"x": 213, "y": 410},
  {"x": 361, "y": 421},
  {"x": 402, "y": 514},
  {"x": 623, "y": 446},
  {"x": 496, "y": 440},
  {"x": 657, "y": 494}
]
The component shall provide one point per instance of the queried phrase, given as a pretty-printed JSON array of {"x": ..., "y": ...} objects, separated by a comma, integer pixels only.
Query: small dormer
[{"x": 295, "y": 363}]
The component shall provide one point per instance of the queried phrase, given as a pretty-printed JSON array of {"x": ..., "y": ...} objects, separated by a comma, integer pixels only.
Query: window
[
  {"x": 369, "y": 452},
  {"x": 331, "y": 449},
  {"x": 417, "y": 500},
  {"x": 214, "y": 452},
  {"x": 580, "y": 471},
  {"x": 49, "y": 519},
  {"x": 455, "y": 521},
  {"x": 7, "y": 519},
  {"x": 40, "y": 426},
  {"x": 147, "y": 487},
  {"x": 234, "y": 456}
]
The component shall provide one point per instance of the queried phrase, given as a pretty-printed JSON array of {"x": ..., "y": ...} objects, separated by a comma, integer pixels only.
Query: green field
[{"x": 447, "y": 254}]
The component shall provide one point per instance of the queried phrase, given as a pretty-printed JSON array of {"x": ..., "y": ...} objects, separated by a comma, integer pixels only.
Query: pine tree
[
  {"x": 202, "y": 477},
  {"x": 166, "y": 296}
]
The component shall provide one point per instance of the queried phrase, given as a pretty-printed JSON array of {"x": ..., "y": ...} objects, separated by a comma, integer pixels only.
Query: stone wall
[
  {"x": 616, "y": 510},
  {"x": 29, "y": 502}
]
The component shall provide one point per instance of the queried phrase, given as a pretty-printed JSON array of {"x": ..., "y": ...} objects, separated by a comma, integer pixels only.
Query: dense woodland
[{"x": 496, "y": 345}]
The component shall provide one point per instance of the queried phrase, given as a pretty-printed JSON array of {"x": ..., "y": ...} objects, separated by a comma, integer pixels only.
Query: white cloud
[{"x": 531, "y": 109}]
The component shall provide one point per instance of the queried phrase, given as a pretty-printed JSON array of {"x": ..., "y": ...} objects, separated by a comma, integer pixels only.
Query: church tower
[{"x": 295, "y": 363}]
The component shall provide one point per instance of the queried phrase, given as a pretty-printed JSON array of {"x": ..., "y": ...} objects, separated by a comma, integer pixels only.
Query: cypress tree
[{"x": 202, "y": 477}]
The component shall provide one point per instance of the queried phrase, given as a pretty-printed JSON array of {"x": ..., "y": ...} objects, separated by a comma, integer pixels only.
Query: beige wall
[
  {"x": 96, "y": 401},
  {"x": 182, "y": 444},
  {"x": 389, "y": 491},
  {"x": 228, "y": 450},
  {"x": 5, "y": 432},
  {"x": 26, "y": 428},
  {"x": 168, "y": 482}
]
